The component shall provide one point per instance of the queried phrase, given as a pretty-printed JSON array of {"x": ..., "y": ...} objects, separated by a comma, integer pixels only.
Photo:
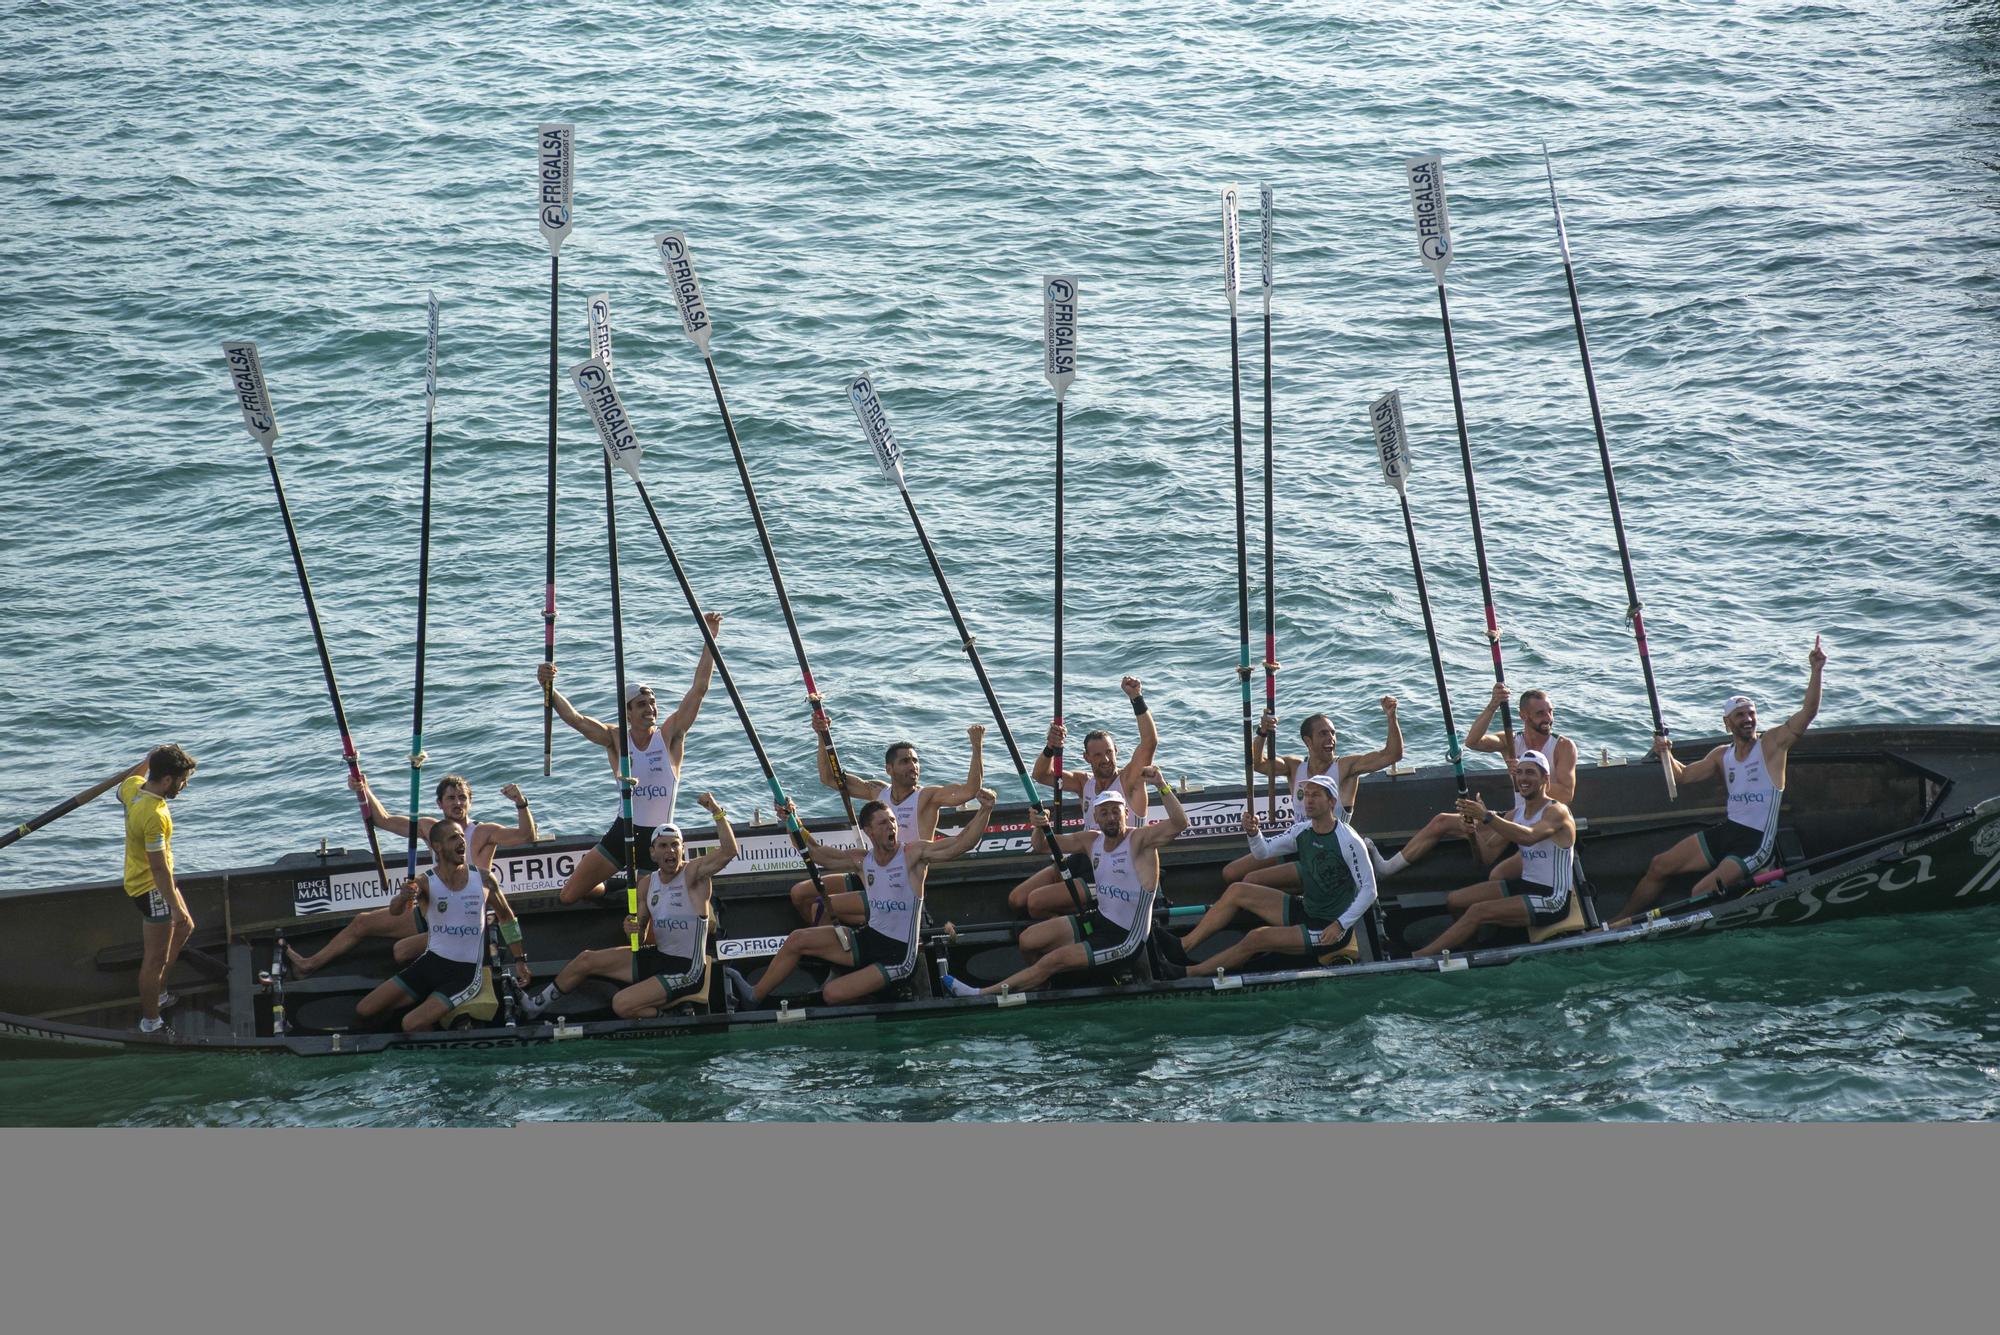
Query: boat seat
[
  {"x": 478, "y": 1012},
  {"x": 1576, "y": 920}
]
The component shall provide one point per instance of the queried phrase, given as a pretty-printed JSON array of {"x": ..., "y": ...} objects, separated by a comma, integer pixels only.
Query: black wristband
[
  {"x": 1052, "y": 752},
  {"x": 1139, "y": 705}
]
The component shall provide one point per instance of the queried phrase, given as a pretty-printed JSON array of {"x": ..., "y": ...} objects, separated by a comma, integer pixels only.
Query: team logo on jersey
[{"x": 441, "y": 905}]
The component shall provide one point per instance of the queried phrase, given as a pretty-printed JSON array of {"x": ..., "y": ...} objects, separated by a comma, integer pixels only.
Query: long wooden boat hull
[{"x": 1912, "y": 814}]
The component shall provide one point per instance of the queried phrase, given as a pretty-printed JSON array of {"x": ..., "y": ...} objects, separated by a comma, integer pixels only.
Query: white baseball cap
[
  {"x": 666, "y": 829},
  {"x": 1109, "y": 795}
]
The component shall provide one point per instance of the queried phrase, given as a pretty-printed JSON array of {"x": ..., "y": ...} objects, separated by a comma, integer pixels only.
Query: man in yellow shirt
[{"x": 149, "y": 875}]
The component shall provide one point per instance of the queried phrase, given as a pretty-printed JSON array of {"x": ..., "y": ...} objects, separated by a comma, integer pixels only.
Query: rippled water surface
[{"x": 1785, "y": 228}]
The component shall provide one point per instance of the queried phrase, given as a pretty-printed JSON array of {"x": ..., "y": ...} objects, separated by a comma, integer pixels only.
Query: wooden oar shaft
[
  {"x": 63, "y": 808},
  {"x": 792, "y": 826},
  {"x": 624, "y": 733},
  {"x": 1456, "y": 756},
  {"x": 326, "y": 667},
  {"x": 992, "y": 699},
  {"x": 549, "y": 563},
  {"x": 1478, "y": 535}
]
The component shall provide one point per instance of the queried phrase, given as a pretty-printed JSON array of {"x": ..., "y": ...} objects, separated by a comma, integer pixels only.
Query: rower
[
  {"x": 677, "y": 933},
  {"x": 917, "y": 806},
  {"x": 1753, "y": 766},
  {"x": 1321, "y": 757},
  {"x": 447, "y": 974},
  {"x": 884, "y": 950},
  {"x": 149, "y": 876},
  {"x": 1537, "y": 734},
  {"x": 1045, "y": 894},
  {"x": 656, "y": 749},
  {"x": 1125, "y": 874},
  {"x": 406, "y": 930},
  {"x": 1336, "y": 877},
  {"x": 1545, "y": 832}
]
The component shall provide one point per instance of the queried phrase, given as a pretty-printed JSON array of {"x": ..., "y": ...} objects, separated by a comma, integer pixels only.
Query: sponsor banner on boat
[
  {"x": 747, "y": 947},
  {"x": 349, "y": 891},
  {"x": 1206, "y": 820}
]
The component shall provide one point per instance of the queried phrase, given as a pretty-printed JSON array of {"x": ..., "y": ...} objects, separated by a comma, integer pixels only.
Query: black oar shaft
[
  {"x": 1056, "y": 819},
  {"x": 624, "y": 735},
  {"x": 792, "y": 826},
  {"x": 1478, "y": 535},
  {"x": 1242, "y": 571},
  {"x": 63, "y": 808},
  {"x": 326, "y": 667},
  {"x": 549, "y": 562},
  {"x": 992, "y": 699},
  {"x": 1456, "y": 756},
  {"x": 814, "y": 701},
  {"x": 1270, "y": 583},
  {"x": 423, "y": 610}
]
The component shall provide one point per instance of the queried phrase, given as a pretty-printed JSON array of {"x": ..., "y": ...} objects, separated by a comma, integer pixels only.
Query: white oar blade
[
  {"x": 253, "y": 396},
  {"x": 679, "y": 265},
  {"x": 1433, "y": 219},
  {"x": 1231, "y": 245},
  {"x": 874, "y": 421},
  {"x": 431, "y": 359},
  {"x": 1392, "y": 442},
  {"x": 1562, "y": 233},
  {"x": 607, "y": 413},
  {"x": 1264, "y": 227},
  {"x": 600, "y": 329},
  {"x": 556, "y": 150},
  {"x": 1059, "y": 333}
]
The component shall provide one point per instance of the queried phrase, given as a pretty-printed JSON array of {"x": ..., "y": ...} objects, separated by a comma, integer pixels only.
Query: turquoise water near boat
[{"x": 1784, "y": 225}]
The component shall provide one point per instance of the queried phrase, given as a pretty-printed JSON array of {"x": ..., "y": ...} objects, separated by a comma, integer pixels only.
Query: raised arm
[
  {"x": 1562, "y": 771},
  {"x": 506, "y": 836},
  {"x": 378, "y": 815},
  {"x": 1149, "y": 736},
  {"x": 944, "y": 850},
  {"x": 1162, "y": 831},
  {"x": 1553, "y": 821},
  {"x": 591, "y": 728},
  {"x": 1283, "y": 846},
  {"x": 1392, "y": 746},
  {"x": 1708, "y": 767},
  {"x": 1795, "y": 727},
  {"x": 1044, "y": 771},
  {"x": 858, "y": 785},
  {"x": 1476, "y": 736},
  {"x": 704, "y": 670},
  {"x": 975, "y": 773},
  {"x": 1264, "y": 747},
  {"x": 724, "y": 852},
  {"x": 833, "y": 859}
]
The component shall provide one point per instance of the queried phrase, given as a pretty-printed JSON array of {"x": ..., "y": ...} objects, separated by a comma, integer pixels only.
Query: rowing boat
[{"x": 1878, "y": 821}]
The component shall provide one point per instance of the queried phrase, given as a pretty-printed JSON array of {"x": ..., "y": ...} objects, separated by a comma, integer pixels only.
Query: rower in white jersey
[
  {"x": 917, "y": 806},
  {"x": 1753, "y": 767},
  {"x": 1321, "y": 757},
  {"x": 885, "y": 950},
  {"x": 483, "y": 838},
  {"x": 446, "y": 975},
  {"x": 1045, "y": 894},
  {"x": 1545, "y": 832},
  {"x": 656, "y": 748},
  {"x": 676, "y": 934},
  {"x": 1125, "y": 877},
  {"x": 1537, "y": 734}
]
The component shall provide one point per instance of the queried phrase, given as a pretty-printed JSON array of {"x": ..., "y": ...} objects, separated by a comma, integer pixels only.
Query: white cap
[
  {"x": 666, "y": 829},
  {"x": 633, "y": 690},
  {"x": 1535, "y": 758},
  {"x": 1734, "y": 703},
  {"x": 1326, "y": 781},
  {"x": 1108, "y": 795}
]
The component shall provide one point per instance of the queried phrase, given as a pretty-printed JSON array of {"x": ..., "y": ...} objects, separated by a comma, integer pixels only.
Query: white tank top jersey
[
  {"x": 678, "y": 928},
  {"x": 892, "y": 904},
  {"x": 655, "y": 784},
  {"x": 1548, "y": 750},
  {"x": 906, "y": 812},
  {"x": 1299, "y": 777},
  {"x": 457, "y": 918},
  {"x": 1119, "y": 896},
  {"x": 1090, "y": 795},
  {"x": 1753, "y": 797},
  {"x": 1543, "y": 863}
]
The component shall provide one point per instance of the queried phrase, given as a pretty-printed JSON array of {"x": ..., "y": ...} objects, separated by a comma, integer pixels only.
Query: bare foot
[{"x": 301, "y": 967}]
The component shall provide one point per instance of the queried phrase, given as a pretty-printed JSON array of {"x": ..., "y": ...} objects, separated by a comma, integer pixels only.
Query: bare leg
[
  {"x": 1071, "y": 956},
  {"x": 1500, "y": 912},
  {"x": 1045, "y": 936},
  {"x": 848, "y": 907},
  {"x": 1051, "y": 901},
  {"x": 806, "y": 943},
  {"x": 1017, "y": 898},
  {"x": 1257, "y": 941},
  {"x": 645, "y": 999},
  {"x": 1444, "y": 825},
  {"x": 384, "y": 1000},
  {"x": 587, "y": 881},
  {"x": 1262, "y": 901},
  {"x": 425, "y": 1015},
  {"x": 155, "y": 936},
  {"x": 375, "y": 922},
  {"x": 1683, "y": 859},
  {"x": 852, "y": 987},
  {"x": 1240, "y": 869}
]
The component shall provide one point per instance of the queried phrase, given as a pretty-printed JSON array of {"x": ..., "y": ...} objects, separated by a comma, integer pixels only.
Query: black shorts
[
  {"x": 1753, "y": 850},
  {"x": 451, "y": 981},
  {"x": 1547, "y": 905},
  {"x": 1079, "y": 868},
  {"x": 677, "y": 973},
  {"x": 612, "y": 846},
  {"x": 1310, "y": 926},
  {"x": 1104, "y": 941},
  {"x": 871, "y": 949},
  {"x": 152, "y": 906}
]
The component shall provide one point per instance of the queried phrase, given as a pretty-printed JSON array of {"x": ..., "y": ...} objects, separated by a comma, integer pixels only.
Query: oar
[
  {"x": 1392, "y": 447},
  {"x": 1270, "y": 582},
  {"x": 599, "y": 312},
  {"x": 556, "y": 146},
  {"x": 1059, "y": 367},
  {"x": 423, "y": 582},
  {"x": 614, "y": 429},
  {"x": 874, "y": 419},
  {"x": 61, "y": 809},
  {"x": 1230, "y": 258},
  {"x": 1610, "y": 484},
  {"x": 697, "y": 325},
  {"x": 253, "y": 396},
  {"x": 1434, "y": 246}
]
